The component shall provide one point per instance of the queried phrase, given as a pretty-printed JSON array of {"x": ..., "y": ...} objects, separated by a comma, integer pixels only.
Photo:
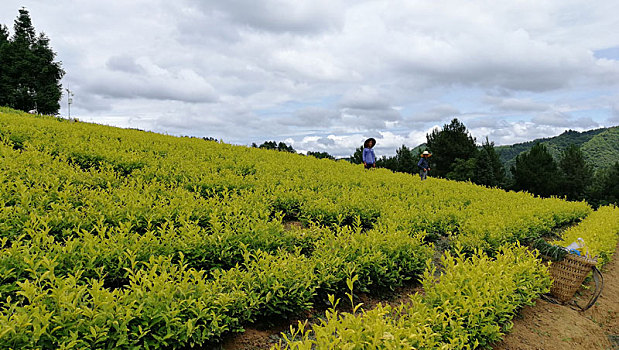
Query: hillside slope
[
  {"x": 600, "y": 146},
  {"x": 603, "y": 149},
  {"x": 129, "y": 239}
]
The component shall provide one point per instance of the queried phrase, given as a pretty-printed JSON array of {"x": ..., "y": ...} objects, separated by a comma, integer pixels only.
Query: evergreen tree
[
  {"x": 604, "y": 189},
  {"x": 536, "y": 172},
  {"x": 405, "y": 161},
  {"x": 320, "y": 155},
  {"x": 47, "y": 87},
  {"x": 29, "y": 77},
  {"x": 489, "y": 170},
  {"x": 357, "y": 157},
  {"x": 390, "y": 163},
  {"x": 268, "y": 145},
  {"x": 285, "y": 148},
  {"x": 5, "y": 86},
  {"x": 576, "y": 173},
  {"x": 276, "y": 146},
  {"x": 446, "y": 145},
  {"x": 463, "y": 169}
]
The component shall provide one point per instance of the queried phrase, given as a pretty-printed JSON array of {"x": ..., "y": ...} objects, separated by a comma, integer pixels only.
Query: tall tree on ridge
[
  {"x": 536, "y": 172},
  {"x": 357, "y": 157},
  {"x": 489, "y": 170},
  {"x": 406, "y": 161},
  {"x": 29, "y": 76},
  {"x": 446, "y": 145},
  {"x": 577, "y": 173},
  {"x": 4, "y": 64},
  {"x": 604, "y": 189}
]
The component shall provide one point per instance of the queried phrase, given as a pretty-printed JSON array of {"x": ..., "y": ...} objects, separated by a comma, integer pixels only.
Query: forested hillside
[{"x": 600, "y": 146}]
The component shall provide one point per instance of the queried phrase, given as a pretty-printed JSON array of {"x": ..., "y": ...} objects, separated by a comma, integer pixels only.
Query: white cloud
[
  {"x": 155, "y": 84},
  {"x": 559, "y": 119},
  {"x": 124, "y": 63},
  {"x": 302, "y": 16},
  {"x": 315, "y": 117},
  {"x": 328, "y": 74},
  {"x": 437, "y": 113},
  {"x": 365, "y": 98},
  {"x": 515, "y": 104},
  {"x": 319, "y": 66}
]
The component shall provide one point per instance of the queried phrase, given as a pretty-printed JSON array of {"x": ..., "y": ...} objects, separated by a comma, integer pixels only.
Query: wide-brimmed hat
[
  {"x": 426, "y": 154},
  {"x": 371, "y": 139}
]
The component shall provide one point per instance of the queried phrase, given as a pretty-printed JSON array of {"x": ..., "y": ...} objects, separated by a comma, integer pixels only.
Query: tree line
[
  {"x": 456, "y": 156},
  {"x": 29, "y": 76}
]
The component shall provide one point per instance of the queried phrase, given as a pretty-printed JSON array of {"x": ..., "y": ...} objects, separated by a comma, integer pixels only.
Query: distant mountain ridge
[{"x": 600, "y": 146}]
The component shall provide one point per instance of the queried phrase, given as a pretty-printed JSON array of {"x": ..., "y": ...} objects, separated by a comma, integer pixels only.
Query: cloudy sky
[{"x": 323, "y": 75}]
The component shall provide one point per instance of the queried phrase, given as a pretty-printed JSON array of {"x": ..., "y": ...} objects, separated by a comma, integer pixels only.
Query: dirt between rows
[
  {"x": 550, "y": 326},
  {"x": 543, "y": 326}
]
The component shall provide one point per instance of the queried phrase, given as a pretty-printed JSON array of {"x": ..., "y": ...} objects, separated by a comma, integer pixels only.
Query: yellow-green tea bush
[
  {"x": 164, "y": 305},
  {"x": 600, "y": 231},
  {"x": 469, "y": 305},
  {"x": 165, "y": 169},
  {"x": 107, "y": 219},
  {"x": 380, "y": 258}
]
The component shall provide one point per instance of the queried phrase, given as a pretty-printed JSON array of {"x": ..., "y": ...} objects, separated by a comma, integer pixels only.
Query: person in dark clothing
[
  {"x": 369, "y": 159},
  {"x": 424, "y": 165}
]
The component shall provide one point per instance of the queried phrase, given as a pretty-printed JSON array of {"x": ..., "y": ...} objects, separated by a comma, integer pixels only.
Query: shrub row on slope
[
  {"x": 203, "y": 174},
  {"x": 167, "y": 304},
  {"x": 87, "y": 208},
  {"x": 600, "y": 231},
  {"x": 470, "y": 307}
]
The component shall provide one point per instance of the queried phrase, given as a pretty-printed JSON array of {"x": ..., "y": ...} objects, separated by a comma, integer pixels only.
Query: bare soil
[
  {"x": 550, "y": 326},
  {"x": 545, "y": 325},
  {"x": 259, "y": 338}
]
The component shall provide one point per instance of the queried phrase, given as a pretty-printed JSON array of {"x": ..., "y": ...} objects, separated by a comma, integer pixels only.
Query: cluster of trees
[
  {"x": 281, "y": 146},
  {"x": 320, "y": 155},
  {"x": 456, "y": 156},
  {"x": 29, "y": 76},
  {"x": 571, "y": 176}
]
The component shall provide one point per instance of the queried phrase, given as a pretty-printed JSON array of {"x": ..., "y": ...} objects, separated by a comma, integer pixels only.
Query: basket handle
[{"x": 599, "y": 285}]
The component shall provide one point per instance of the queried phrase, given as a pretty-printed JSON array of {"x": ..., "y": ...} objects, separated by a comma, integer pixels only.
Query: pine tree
[
  {"x": 489, "y": 170},
  {"x": 285, "y": 148},
  {"x": 281, "y": 146},
  {"x": 463, "y": 169},
  {"x": 320, "y": 155},
  {"x": 268, "y": 145},
  {"x": 536, "y": 172},
  {"x": 446, "y": 145},
  {"x": 577, "y": 173},
  {"x": 4, "y": 65},
  {"x": 48, "y": 74},
  {"x": 604, "y": 189},
  {"x": 405, "y": 160},
  {"x": 390, "y": 163},
  {"x": 357, "y": 157},
  {"x": 29, "y": 76}
]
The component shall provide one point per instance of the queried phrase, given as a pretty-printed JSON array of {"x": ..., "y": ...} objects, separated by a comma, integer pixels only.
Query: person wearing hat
[
  {"x": 369, "y": 159},
  {"x": 424, "y": 165}
]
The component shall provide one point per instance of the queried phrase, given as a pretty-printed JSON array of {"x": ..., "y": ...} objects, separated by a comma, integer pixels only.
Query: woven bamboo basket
[{"x": 568, "y": 275}]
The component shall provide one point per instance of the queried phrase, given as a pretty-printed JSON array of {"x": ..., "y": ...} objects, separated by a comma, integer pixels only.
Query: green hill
[
  {"x": 603, "y": 149},
  {"x": 601, "y": 146}
]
